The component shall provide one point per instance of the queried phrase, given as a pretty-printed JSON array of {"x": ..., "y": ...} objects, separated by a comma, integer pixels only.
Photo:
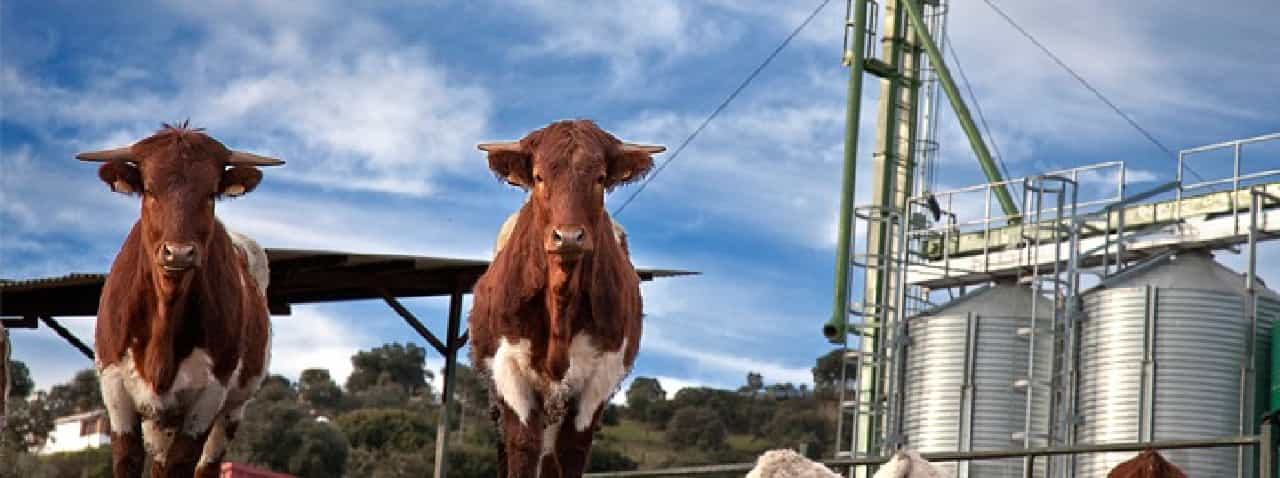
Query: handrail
[{"x": 948, "y": 456}]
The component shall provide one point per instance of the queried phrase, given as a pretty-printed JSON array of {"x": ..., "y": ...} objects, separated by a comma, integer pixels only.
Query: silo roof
[
  {"x": 1000, "y": 300},
  {"x": 1196, "y": 269}
]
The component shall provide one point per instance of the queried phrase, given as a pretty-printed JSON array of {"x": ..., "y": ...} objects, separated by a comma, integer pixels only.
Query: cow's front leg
[
  {"x": 180, "y": 433},
  {"x": 127, "y": 453},
  {"x": 522, "y": 440},
  {"x": 215, "y": 446},
  {"x": 573, "y": 446}
]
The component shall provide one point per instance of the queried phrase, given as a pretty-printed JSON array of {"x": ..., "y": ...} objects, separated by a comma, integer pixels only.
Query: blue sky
[{"x": 378, "y": 107}]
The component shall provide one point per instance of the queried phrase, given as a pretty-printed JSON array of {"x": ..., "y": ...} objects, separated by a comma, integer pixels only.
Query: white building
[{"x": 78, "y": 432}]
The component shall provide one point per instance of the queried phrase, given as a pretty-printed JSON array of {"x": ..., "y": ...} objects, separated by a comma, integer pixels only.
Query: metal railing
[
  {"x": 1236, "y": 179},
  {"x": 1264, "y": 441}
]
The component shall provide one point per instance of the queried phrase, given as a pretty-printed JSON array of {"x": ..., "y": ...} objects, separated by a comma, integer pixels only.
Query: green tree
[
  {"x": 699, "y": 427},
  {"x": 470, "y": 405},
  {"x": 390, "y": 429},
  {"x": 755, "y": 383},
  {"x": 607, "y": 459},
  {"x": 20, "y": 383},
  {"x": 321, "y": 452},
  {"x": 267, "y": 436},
  {"x": 29, "y": 423},
  {"x": 800, "y": 425},
  {"x": 731, "y": 407},
  {"x": 642, "y": 394},
  {"x": 317, "y": 389},
  {"x": 383, "y": 395},
  {"x": 395, "y": 464},
  {"x": 276, "y": 388},
  {"x": 827, "y": 372},
  {"x": 391, "y": 363},
  {"x": 81, "y": 394},
  {"x": 610, "y": 415},
  {"x": 471, "y": 461}
]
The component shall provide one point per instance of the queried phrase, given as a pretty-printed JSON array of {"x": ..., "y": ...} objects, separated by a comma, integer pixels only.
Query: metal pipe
[
  {"x": 1236, "y": 441},
  {"x": 834, "y": 329},
  {"x": 962, "y": 111}
]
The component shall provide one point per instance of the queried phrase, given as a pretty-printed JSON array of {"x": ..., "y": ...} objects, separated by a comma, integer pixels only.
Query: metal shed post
[{"x": 446, "y": 391}]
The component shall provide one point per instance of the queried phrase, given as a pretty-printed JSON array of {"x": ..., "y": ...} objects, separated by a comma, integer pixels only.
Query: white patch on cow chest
[
  {"x": 129, "y": 397},
  {"x": 514, "y": 377},
  {"x": 593, "y": 376}
]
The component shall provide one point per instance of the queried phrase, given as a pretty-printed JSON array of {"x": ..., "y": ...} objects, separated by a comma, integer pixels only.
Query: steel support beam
[
  {"x": 413, "y": 321},
  {"x": 962, "y": 111},
  {"x": 446, "y": 390},
  {"x": 68, "y": 336},
  {"x": 455, "y": 340}
]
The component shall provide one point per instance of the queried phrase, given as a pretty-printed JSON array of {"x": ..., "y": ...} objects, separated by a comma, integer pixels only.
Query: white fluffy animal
[
  {"x": 788, "y": 464},
  {"x": 909, "y": 464}
]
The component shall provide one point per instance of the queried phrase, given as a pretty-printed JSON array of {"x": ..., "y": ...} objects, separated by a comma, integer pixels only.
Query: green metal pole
[
  {"x": 962, "y": 111},
  {"x": 834, "y": 329}
]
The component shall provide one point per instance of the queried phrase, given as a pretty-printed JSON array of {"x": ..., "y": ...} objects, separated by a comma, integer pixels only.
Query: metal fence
[{"x": 1265, "y": 442}]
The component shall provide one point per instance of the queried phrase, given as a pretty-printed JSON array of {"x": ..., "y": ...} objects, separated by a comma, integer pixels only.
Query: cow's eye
[
  {"x": 537, "y": 178},
  {"x": 600, "y": 179}
]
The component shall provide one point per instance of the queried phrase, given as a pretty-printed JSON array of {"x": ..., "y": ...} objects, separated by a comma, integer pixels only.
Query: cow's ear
[
  {"x": 121, "y": 176},
  {"x": 239, "y": 180},
  {"x": 510, "y": 162},
  {"x": 631, "y": 163}
]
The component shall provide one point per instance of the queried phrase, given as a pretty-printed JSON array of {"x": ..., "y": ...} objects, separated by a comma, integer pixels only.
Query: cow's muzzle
[
  {"x": 177, "y": 256},
  {"x": 568, "y": 240}
]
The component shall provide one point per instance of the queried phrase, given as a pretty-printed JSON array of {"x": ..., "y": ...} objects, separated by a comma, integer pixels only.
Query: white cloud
[
  {"x": 770, "y": 165},
  {"x": 351, "y": 108},
  {"x": 633, "y": 37},
  {"x": 723, "y": 364},
  {"x": 310, "y": 338}
]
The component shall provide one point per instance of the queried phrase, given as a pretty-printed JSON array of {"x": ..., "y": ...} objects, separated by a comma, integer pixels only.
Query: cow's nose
[
  {"x": 177, "y": 255},
  {"x": 568, "y": 238}
]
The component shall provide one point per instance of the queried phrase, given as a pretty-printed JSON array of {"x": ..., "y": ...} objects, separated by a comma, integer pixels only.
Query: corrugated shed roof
[
  {"x": 75, "y": 278},
  {"x": 298, "y": 276}
]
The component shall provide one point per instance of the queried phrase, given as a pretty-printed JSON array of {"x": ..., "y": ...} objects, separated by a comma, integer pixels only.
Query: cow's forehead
[{"x": 165, "y": 172}]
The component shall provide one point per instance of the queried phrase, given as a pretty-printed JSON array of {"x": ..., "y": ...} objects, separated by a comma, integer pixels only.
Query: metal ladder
[
  {"x": 875, "y": 399},
  {"x": 1046, "y": 224}
]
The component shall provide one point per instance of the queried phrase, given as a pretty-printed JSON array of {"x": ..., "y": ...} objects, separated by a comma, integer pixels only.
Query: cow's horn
[
  {"x": 644, "y": 148},
  {"x": 107, "y": 155},
  {"x": 507, "y": 146},
  {"x": 241, "y": 158}
]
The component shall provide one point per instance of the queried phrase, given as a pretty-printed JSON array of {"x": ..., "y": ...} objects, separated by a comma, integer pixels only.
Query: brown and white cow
[
  {"x": 183, "y": 331},
  {"x": 556, "y": 318}
]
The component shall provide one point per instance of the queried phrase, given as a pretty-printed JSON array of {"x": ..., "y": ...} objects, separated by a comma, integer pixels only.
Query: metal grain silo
[
  {"x": 964, "y": 362},
  {"x": 1164, "y": 355}
]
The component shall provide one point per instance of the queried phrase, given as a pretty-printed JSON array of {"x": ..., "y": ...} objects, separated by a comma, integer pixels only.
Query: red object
[{"x": 240, "y": 470}]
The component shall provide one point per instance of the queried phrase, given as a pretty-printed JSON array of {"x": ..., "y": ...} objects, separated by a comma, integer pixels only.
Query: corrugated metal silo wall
[
  {"x": 1200, "y": 338},
  {"x": 947, "y": 349}
]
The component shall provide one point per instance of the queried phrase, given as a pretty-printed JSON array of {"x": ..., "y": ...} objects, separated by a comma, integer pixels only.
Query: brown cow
[
  {"x": 556, "y": 318},
  {"x": 183, "y": 332}
]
